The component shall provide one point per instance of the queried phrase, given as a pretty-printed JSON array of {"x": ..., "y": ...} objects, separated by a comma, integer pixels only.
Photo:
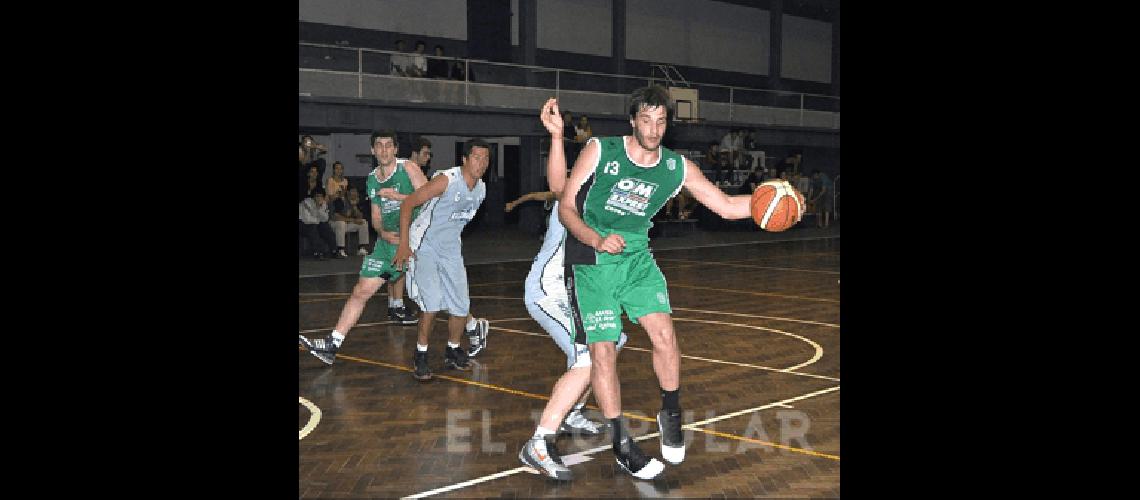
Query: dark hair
[
  {"x": 421, "y": 42},
  {"x": 475, "y": 143},
  {"x": 399, "y": 41},
  {"x": 335, "y": 163},
  {"x": 383, "y": 133},
  {"x": 649, "y": 97},
  {"x": 438, "y": 46},
  {"x": 316, "y": 191},
  {"x": 421, "y": 142}
]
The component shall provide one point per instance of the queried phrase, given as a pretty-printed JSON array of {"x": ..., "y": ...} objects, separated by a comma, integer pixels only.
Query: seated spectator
[
  {"x": 582, "y": 131},
  {"x": 438, "y": 67},
  {"x": 310, "y": 183},
  {"x": 418, "y": 66},
  {"x": 337, "y": 182},
  {"x": 725, "y": 168},
  {"x": 347, "y": 216},
  {"x": 313, "y": 213},
  {"x": 753, "y": 181},
  {"x": 459, "y": 71},
  {"x": 400, "y": 62}
]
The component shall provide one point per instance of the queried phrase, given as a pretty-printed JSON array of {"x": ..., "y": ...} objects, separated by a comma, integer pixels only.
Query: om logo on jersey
[{"x": 630, "y": 195}]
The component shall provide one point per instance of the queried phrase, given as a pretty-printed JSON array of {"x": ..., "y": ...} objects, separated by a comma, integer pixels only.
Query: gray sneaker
[
  {"x": 577, "y": 423},
  {"x": 543, "y": 456}
]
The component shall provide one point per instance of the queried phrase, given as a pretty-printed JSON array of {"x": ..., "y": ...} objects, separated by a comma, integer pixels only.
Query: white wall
[
  {"x": 437, "y": 18},
  {"x": 806, "y": 49},
  {"x": 701, "y": 33}
]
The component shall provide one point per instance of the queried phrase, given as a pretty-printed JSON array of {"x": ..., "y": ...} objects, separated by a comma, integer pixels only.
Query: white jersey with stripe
[{"x": 545, "y": 286}]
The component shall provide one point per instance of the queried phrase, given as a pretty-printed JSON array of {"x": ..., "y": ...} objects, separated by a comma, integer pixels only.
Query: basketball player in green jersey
[
  {"x": 388, "y": 184},
  {"x": 616, "y": 186}
]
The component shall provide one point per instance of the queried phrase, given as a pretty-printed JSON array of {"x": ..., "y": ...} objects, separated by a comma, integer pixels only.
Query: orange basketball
[{"x": 776, "y": 205}]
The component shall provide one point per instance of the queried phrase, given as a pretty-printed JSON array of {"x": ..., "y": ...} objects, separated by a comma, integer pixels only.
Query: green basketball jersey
[
  {"x": 622, "y": 196},
  {"x": 389, "y": 208}
]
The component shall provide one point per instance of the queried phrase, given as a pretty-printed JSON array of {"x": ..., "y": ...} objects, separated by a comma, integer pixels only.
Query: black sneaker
[
  {"x": 324, "y": 349},
  {"x": 401, "y": 316},
  {"x": 477, "y": 338},
  {"x": 422, "y": 371},
  {"x": 630, "y": 458},
  {"x": 456, "y": 359},
  {"x": 672, "y": 440}
]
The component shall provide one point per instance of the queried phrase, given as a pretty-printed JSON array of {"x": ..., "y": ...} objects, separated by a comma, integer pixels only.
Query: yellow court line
[
  {"x": 766, "y": 294},
  {"x": 765, "y": 443},
  {"x": 547, "y": 398}
]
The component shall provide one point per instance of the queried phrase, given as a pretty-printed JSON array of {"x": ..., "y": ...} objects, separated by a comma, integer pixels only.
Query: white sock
[
  {"x": 395, "y": 302},
  {"x": 421, "y": 348},
  {"x": 541, "y": 431},
  {"x": 453, "y": 346},
  {"x": 337, "y": 338},
  {"x": 471, "y": 322}
]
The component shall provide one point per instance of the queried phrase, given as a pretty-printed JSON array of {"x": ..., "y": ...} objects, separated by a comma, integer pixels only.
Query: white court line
[
  {"x": 757, "y": 316},
  {"x": 689, "y": 356},
  {"x": 758, "y": 408},
  {"x": 694, "y": 247},
  {"x": 314, "y": 417},
  {"x": 771, "y": 268},
  {"x": 583, "y": 456}
]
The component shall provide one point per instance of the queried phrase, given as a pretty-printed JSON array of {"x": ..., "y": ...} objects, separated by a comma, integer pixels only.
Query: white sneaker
[
  {"x": 362, "y": 252},
  {"x": 340, "y": 254}
]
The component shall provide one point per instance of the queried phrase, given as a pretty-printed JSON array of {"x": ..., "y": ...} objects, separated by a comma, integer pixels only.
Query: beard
[{"x": 643, "y": 142}]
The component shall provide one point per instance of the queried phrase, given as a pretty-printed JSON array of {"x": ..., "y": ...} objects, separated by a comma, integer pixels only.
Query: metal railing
[{"x": 340, "y": 71}]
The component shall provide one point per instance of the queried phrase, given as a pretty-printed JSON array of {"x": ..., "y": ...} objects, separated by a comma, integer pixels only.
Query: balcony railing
[{"x": 339, "y": 71}]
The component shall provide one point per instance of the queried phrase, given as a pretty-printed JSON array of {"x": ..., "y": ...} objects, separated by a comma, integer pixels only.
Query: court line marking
[
  {"x": 763, "y": 294},
  {"x": 747, "y": 265},
  {"x": 314, "y": 418},
  {"x": 541, "y": 397},
  {"x": 584, "y": 456},
  {"x": 693, "y": 247},
  {"x": 743, "y": 315},
  {"x": 818, "y": 348}
]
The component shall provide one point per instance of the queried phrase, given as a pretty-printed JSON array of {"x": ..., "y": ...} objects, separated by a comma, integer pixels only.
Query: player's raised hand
[{"x": 551, "y": 117}]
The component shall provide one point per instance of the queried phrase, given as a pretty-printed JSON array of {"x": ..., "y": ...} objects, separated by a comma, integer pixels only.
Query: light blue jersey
[{"x": 437, "y": 278}]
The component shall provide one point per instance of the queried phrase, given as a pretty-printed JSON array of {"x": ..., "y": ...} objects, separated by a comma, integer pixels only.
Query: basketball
[{"x": 777, "y": 206}]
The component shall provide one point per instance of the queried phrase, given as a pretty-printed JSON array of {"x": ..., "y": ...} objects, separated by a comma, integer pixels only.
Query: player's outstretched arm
[
  {"x": 551, "y": 118},
  {"x": 728, "y": 207},
  {"x": 432, "y": 189}
]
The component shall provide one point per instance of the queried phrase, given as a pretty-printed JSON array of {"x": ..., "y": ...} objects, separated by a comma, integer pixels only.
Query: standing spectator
[
  {"x": 347, "y": 216},
  {"x": 802, "y": 183},
  {"x": 418, "y": 66},
  {"x": 582, "y": 131},
  {"x": 314, "y": 215},
  {"x": 822, "y": 187},
  {"x": 400, "y": 62},
  {"x": 337, "y": 182},
  {"x": 437, "y": 66},
  {"x": 570, "y": 135}
]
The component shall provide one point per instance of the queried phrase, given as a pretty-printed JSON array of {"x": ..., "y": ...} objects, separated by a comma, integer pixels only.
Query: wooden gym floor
[{"x": 758, "y": 327}]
